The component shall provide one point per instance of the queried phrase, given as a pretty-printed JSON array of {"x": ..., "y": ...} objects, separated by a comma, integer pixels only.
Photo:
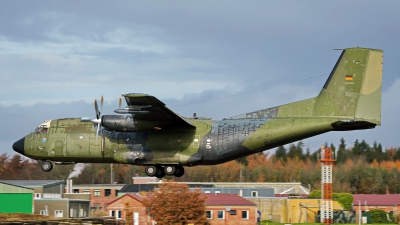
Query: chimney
[{"x": 68, "y": 188}]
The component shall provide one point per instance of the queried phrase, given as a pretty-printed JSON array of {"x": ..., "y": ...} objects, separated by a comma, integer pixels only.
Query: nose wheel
[{"x": 46, "y": 166}]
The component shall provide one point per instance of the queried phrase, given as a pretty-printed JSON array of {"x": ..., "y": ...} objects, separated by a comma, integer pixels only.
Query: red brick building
[
  {"x": 230, "y": 209},
  {"x": 100, "y": 194},
  {"x": 388, "y": 203},
  {"x": 129, "y": 202}
]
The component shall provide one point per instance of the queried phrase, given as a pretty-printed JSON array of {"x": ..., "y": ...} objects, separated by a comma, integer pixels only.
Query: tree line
[{"x": 360, "y": 168}]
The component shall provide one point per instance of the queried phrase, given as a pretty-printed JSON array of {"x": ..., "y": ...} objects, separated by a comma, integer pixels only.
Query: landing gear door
[{"x": 59, "y": 147}]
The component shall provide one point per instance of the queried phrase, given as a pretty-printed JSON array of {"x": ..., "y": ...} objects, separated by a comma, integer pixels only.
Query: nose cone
[{"x": 18, "y": 146}]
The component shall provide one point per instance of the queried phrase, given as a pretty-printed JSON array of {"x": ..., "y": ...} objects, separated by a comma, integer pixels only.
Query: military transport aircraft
[{"x": 149, "y": 134}]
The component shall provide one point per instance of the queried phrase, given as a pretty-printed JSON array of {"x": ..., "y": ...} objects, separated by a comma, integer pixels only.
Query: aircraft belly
[{"x": 281, "y": 131}]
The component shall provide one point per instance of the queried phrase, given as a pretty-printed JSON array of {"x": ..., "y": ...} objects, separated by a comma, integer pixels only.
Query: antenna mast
[{"x": 326, "y": 160}]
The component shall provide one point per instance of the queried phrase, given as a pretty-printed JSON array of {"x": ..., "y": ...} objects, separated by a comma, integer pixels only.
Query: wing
[{"x": 149, "y": 108}]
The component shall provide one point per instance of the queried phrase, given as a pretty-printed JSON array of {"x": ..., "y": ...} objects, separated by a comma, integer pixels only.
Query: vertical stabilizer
[{"x": 354, "y": 87}]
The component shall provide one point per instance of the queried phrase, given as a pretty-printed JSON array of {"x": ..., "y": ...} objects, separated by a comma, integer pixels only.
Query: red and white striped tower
[{"x": 326, "y": 160}]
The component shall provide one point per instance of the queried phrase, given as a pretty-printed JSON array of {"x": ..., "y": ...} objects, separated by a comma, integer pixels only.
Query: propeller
[{"x": 97, "y": 120}]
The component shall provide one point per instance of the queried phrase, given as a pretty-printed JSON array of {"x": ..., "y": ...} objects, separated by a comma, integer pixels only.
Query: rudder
[{"x": 354, "y": 87}]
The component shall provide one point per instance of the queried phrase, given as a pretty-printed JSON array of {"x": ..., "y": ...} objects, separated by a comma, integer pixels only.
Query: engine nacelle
[
  {"x": 121, "y": 123},
  {"x": 127, "y": 123}
]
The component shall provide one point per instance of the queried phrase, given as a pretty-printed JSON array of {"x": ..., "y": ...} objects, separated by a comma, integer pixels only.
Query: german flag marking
[{"x": 349, "y": 77}]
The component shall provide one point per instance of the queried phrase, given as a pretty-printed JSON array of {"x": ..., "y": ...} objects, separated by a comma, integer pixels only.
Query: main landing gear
[
  {"x": 160, "y": 171},
  {"x": 46, "y": 166}
]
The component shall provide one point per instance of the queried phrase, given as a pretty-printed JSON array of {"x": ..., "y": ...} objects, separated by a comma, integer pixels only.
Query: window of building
[
  {"x": 245, "y": 214},
  {"x": 232, "y": 212},
  {"x": 112, "y": 213},
  {"x": 254, "y": 194},
  {"x": 221, "y": 214},
  {"x": 37, "y": 195},
  {"x": 119, "y": 214},
  {"x": 116, "y": 192},
  {"x": 58, "y": 213},
  {"x": 107, "y": 192},
  {"x": 44, "y": 212},
  {"x": 86, "y": 191},
  {"x": 209, "y": 214},
  {"x": 96, "y": 193},
  {"x": 75, "y": 191},
  {"x": 97, "y": 205},
  {"x": 105, "y": 206}
]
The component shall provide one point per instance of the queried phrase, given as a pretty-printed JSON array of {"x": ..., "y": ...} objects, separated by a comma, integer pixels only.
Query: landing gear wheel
[
  {"x": 169, "y": 170},
  {"x": 179, "y": 171},
  {"x": 46, "y": 166},
  {"x": 160, "y": 172},
  {"x": 151, "y": 171}
]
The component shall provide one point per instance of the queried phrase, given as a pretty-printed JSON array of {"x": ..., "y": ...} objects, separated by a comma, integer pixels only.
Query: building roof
[
  {"x": 133, "y": 196},
  {"x": 137, "y": 188},
  {"x": 4, "y": 188},
  {"x": 291, "y": 196},
  {"x": 376, "y": 199},
  {"x": 279, "y": 187},
  {"x": 100, "y": 186},
  {"x": 227, "y": 200},
  {"x": 33, "y": 183}
]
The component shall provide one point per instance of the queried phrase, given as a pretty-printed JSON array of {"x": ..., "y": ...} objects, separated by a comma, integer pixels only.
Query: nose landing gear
[{"x": 46, "y": 166}]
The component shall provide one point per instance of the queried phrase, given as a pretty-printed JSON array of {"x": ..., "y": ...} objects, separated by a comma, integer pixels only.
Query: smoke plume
[{"x": 78, "y": 168}]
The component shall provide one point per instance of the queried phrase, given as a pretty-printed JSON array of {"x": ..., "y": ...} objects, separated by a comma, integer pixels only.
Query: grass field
[{"x": 21, "y": 216}]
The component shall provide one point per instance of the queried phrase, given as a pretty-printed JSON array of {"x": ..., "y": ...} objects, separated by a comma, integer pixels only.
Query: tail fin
[
  {"x": 352, "y": 93},
  {"x": 354, "y": 87}
]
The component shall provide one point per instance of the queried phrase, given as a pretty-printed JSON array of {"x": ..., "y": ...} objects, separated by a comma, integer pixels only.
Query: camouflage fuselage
[{"x": 211, "y": 142}]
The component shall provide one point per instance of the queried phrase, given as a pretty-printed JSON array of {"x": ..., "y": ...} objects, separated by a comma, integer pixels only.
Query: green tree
[
  {"x": 281, "y": 153},
  {"x": 397, "y": 155},
  {"x": 344, "y": 199},
  {"x": 315, "y": 194},
  {"x": 378, "y": 216},
  {"x": 342, "y": 153}
]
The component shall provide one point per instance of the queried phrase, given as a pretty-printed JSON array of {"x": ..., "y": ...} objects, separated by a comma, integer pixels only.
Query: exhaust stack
[{"x": 68, "y": 187}]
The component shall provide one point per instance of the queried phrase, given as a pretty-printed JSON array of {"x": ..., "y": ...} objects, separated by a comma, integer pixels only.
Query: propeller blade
[
  {"x": 120, "y": 103},
  {"x": 101, "y": 131},
  {"x": 96, "y": 107},
  {"x": 98, "y": 116},
  {"x": 101, "y": 105},
  {"x": 97, "y": 132}
]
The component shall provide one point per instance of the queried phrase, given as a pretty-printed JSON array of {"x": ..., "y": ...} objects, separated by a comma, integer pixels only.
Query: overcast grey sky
[{"x": 56, "y": 57}]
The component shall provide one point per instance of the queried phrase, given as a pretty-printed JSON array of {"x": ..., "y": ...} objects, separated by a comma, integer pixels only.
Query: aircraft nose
[{"x": 18, "y": 146}]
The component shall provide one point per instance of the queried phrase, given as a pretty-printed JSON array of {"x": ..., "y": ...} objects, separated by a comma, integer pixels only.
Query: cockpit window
[{"x": 43, "y": 128}]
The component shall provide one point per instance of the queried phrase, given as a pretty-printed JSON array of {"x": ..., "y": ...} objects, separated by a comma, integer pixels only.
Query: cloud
[{"x": 56, "y": 57}]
